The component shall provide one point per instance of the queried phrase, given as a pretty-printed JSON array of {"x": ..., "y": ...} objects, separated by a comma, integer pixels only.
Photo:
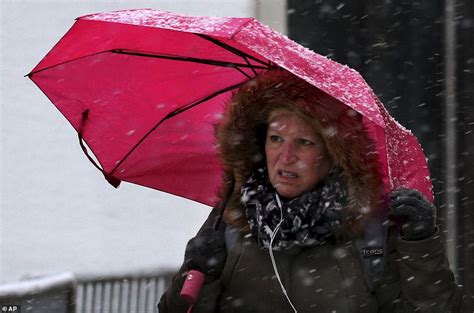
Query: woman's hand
[
  {"x": 206, "y": 253},
  {"x": 418, "y": 215}
]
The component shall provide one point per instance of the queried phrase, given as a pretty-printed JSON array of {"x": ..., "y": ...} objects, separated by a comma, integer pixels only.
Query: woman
[{"x": 305, "y": 227}]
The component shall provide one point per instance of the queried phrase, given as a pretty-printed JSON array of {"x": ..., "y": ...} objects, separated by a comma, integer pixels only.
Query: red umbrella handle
[{"x": 191, "y": 287}]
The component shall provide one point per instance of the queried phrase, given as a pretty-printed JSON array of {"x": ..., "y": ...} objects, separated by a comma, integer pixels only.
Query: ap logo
[{"x": 10, "y": 308}]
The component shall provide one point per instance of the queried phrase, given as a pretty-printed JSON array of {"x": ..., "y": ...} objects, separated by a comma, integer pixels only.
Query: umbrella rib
[
  {"x": 248, "y": 62},
  {"x": 172, "y": 114},
  {"x": 122, "y": 51},
  {"x": 188, "y": 59},
  {"x": 245, "y": 74},
  {"x": 64, "y": 62},
  {"x": 233, "y": 50},
  {"x": 215, "y": 94}
]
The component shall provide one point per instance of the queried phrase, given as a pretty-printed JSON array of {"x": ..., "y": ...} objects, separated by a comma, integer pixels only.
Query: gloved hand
[
  {"x": 206, "y": 253},
  {"x": 417, "y": 215}
]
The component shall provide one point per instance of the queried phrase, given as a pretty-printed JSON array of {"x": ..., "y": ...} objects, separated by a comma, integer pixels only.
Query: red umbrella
[{"x": 144, "y": 89}]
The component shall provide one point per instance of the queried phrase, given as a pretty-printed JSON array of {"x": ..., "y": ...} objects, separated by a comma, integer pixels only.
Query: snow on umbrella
[{"x": 144, "y": 89}]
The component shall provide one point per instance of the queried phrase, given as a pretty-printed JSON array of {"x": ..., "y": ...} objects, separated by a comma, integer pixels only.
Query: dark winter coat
[
  {"x": 343, "y": 276},
  {"x": 328, "y": 278}
]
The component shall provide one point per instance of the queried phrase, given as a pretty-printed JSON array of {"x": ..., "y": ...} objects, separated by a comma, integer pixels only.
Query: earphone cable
[{"x": 275, "y": 269}]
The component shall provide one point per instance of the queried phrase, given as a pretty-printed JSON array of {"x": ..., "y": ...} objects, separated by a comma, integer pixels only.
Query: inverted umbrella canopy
[{"x": 144, "y": 89}]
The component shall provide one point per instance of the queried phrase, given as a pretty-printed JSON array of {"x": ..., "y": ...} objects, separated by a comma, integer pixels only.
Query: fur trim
[{"x": 241, "y": 136}]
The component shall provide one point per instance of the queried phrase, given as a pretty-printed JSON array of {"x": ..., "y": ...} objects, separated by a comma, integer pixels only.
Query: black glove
[
  {"x": 206, "y": 253},
  {"x": 417, "y": 215}
]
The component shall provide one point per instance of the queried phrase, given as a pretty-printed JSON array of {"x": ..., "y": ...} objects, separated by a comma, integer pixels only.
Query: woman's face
[{"x": 296, "y": 158}]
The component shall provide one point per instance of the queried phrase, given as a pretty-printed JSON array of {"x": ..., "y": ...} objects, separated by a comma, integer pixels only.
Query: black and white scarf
[{"x": 309, "y": 219}]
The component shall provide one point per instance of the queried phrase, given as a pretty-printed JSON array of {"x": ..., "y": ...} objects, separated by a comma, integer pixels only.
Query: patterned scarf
[{"x": 309, "y": 219}]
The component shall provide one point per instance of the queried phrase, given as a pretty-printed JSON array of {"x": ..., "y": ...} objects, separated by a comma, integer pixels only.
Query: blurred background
[{"x": 58, "y": 214}]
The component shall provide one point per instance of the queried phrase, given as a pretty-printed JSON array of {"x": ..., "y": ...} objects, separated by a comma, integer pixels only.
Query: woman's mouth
[{"x": 287, "y": 174}]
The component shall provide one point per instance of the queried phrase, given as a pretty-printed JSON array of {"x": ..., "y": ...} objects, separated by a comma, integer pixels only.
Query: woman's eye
[
  {"x": 305, "y": 142},
  {"x": 275, "y": 138}
]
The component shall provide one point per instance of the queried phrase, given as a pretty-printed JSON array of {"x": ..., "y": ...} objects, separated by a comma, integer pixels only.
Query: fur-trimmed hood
[{"x": 241, "y": 136}]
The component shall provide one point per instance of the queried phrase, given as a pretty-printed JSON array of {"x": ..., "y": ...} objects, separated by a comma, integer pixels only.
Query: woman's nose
[{"x": 287, "y": 153}]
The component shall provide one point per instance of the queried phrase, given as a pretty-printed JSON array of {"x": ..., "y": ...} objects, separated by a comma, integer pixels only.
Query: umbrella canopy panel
[
  {"x": 126, "y": 100},
  {"x": 90, "y": 36},
  {"x": 128, "y": 92}
]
